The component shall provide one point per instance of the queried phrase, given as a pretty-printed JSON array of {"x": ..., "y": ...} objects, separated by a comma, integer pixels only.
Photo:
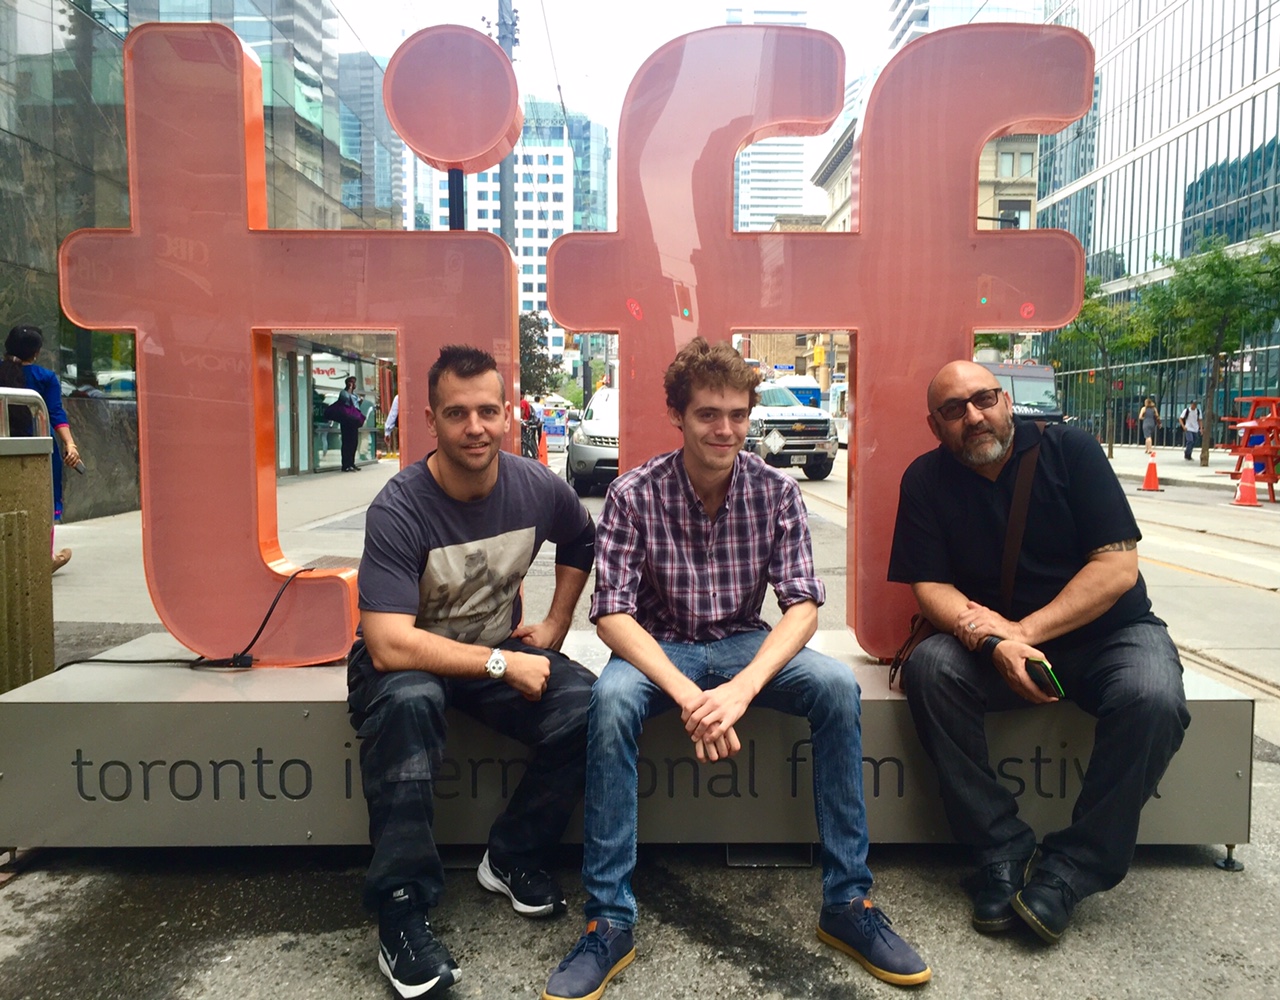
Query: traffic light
[
  {"x": 819, "y": 354},
  {"x": 684, "y": 301}
]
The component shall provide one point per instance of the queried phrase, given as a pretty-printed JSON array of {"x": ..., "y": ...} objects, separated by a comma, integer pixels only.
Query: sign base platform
[{"x": 145, "y": 754}]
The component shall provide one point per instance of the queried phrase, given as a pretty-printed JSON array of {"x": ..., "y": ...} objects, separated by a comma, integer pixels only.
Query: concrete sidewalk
[{"x": 1130, "y": 463}]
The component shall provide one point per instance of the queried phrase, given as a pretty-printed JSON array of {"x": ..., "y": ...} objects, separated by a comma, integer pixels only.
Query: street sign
[{"x": 784, "y": 368}]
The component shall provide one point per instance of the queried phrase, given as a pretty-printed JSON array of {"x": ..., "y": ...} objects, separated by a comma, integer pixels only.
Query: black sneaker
[
  {"x": 533, "y": 893},
  {"x": 862, "y": 930},
  {"x": 409, "y": 954},
  {"x": 600, "y": 954},
  {"x": 1045, "y": 903}
]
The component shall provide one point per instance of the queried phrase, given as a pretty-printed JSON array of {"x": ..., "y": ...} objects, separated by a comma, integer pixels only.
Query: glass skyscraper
[{"x": 1179, "y": 146}]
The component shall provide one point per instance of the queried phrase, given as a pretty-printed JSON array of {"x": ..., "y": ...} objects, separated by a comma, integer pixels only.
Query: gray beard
[{"x": 985, "y": 454}]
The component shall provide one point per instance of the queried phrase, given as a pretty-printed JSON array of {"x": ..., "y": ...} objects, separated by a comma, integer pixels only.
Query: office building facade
[
  {"x": 1180, "y": 146},
  {"x": 561, "y": 174},
  {"x": 332, "y": 162}
]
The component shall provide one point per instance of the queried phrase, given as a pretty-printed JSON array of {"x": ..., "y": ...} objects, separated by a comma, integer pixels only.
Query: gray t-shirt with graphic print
[{"x": 457, "y": 566}]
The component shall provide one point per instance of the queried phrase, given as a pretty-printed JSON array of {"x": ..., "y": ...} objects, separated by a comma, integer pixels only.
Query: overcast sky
[{"x": 599, "y": 45}]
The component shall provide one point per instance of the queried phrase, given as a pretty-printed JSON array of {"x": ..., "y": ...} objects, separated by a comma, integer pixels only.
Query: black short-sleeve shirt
[{"x": 951, "y": 526}]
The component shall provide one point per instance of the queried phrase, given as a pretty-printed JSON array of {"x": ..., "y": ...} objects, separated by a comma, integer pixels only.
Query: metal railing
[{"x": 32, "y": 400}]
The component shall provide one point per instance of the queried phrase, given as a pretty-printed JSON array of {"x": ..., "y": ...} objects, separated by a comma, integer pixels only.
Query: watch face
[{"x": 497, "y": 665}]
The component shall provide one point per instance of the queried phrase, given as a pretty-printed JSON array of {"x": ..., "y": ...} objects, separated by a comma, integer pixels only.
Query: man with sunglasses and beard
[{"x": 1079, "y": 604}]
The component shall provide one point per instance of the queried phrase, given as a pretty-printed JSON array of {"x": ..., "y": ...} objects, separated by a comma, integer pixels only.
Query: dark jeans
[
  {"x": 350, "y": 438},
  {"x": 1191, "y": 441},
  {"x": 1131, "y": 682},
  {"x": 400, "y": 719}
]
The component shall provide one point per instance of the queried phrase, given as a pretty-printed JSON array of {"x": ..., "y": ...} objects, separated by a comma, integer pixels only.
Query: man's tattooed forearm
[{"x": 1125, "y": 546}]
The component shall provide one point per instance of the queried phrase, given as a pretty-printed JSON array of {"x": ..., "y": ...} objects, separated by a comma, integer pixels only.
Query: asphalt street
[{"x": 259, "y": 923}]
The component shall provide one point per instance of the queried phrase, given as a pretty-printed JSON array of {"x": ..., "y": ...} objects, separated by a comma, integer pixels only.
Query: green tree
[
  {"x": 538, "y": 373},
  {"x": 1211, "y": 302},
  {"x": 1103, "y": 327}
]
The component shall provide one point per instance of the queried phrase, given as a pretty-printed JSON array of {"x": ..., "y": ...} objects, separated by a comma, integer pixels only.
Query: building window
[
  {"x": 1006, "y": 164},
  {"x": 527, "y": 286},
  {"x": 542, "y": 195},
  {"x": 527, "y": 178},
  {"x": 1025, "y": 165},
  {"x": 526, "y": 251},
  {"x": 482, "y": 213},
  {"x": 557, "y": 161},
  {"x": 444, "y": 185},
  {"x": 557, "y": 215},
  {"x": 526, "y": 234},
  {"x": 482, "y": 178},
  {"x": 557, "y": 178},
  {"x": 526, "y": 269},
  {"x": 558, "y": 196},
  {"x": 543, "y": 178},
  {"x": 542, "y": 304},
  {"x": 527, "y": 214},
  {"x": 526, "y": 196},
  {"x": 444, "y": 202},
  {"x": 542, "y": 268},
  {"x": 542, "y": 287},
  {"x": 497, "y": 213},
  {"x": 542, "y": 159},
  {"x": 527, "y": 305},
  {"x": 542, "y": 251},
  {"x": 482, "y": 196},
  {"x": 542, "y": 234},
  {"x": 527, "y": 160},
  {"x": 557, "y": 233},
  {"x": 1015, "y": 214}
]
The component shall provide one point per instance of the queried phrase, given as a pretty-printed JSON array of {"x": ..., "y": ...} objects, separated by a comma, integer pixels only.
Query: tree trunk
[
  {"x": 1211, "y": 398},
  {"x": 1108, "y": 420}
]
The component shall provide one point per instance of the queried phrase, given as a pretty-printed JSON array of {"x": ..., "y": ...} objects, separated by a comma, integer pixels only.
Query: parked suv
[
  {"x": 592, "y": 452},
  {"x": 786, "y": 433}
]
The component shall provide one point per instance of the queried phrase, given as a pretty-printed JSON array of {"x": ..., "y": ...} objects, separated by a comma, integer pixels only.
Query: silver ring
[{"x": 972, "y": 626}]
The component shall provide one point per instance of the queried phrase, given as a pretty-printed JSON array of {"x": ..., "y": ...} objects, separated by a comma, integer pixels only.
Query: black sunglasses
[{"x": 954, "y": 409}]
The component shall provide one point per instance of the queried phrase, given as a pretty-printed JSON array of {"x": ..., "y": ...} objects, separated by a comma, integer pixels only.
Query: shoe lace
[
  {"x": 873, "y": 922},
  {"x": 533, "y": 881},
  {"x": 592, "y": 942},
  {"x": 418, "y": 937}
]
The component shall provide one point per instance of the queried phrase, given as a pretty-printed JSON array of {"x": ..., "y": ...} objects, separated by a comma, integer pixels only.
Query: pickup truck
[{"x": 786, "y": 433}]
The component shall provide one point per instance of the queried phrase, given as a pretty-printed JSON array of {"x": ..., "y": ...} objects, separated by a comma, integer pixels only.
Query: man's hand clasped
[
  {"x": 976, "y": 623},
  {"x": 709, "y": 718},
  {"x": 528, "y": 673}
]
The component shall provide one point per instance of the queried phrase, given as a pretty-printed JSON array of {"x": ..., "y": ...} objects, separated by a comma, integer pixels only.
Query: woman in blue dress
[{"x": 20, "y": 370}]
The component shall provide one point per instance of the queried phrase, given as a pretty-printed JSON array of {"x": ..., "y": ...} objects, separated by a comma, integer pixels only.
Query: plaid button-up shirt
[{"x": 685, "y": 578}]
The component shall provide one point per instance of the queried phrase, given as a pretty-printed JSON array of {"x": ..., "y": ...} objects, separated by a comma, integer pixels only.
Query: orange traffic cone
[
  {"x": 1152, "y": 483},
  {"x": 1247, "y": 488},
  {"x": 542, "y": 447}
]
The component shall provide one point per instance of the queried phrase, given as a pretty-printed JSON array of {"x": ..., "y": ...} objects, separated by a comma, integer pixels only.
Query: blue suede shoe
[
  {"x": 600, "y": 954},
  {"x": 862, "y": 930}
]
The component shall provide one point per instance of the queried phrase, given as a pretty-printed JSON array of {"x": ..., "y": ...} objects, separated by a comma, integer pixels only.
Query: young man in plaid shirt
[{"x": 686, "y": 545}]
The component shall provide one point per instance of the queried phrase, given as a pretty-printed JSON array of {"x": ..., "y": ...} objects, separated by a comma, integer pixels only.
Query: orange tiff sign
[{"x": 203, "y": 281}]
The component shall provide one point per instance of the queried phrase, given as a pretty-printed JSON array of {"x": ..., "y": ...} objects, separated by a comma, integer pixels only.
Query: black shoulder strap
[{"x": 1017, "y": 524}]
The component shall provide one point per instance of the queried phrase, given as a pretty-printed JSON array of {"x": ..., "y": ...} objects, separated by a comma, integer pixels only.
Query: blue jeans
[
  {"x": 815, "y": 686},
  {"x": 1191, "y": 441},
  {"x": 1130, "y": 681}
]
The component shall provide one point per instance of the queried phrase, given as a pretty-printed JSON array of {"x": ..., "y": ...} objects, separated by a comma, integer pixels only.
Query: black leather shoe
[
  {"x": 993, "y": 887},
  {"x": 1045, "y": 904}
]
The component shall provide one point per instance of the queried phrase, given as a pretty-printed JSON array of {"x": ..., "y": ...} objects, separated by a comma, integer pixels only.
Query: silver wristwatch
[{"x": 496, "y": 665}]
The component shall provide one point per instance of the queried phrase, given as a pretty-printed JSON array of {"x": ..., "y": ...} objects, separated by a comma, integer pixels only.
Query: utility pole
[{"x": 507, "y": 39}]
